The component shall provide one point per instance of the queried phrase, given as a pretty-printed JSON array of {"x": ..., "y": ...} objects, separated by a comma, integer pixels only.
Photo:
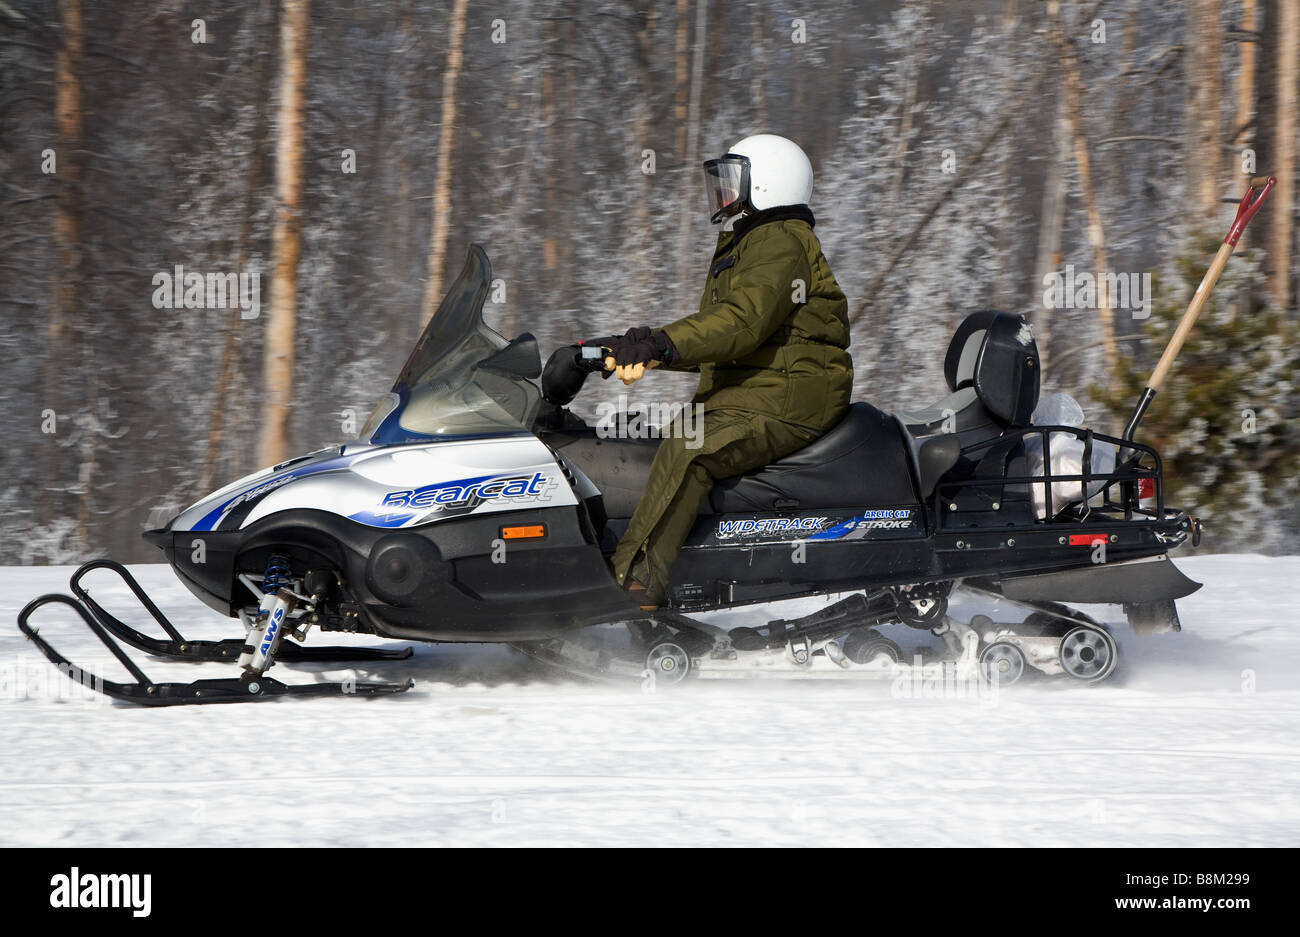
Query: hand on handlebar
[
  {"x": 629, "y": 374},
  {"x": 640, "y": 349}
]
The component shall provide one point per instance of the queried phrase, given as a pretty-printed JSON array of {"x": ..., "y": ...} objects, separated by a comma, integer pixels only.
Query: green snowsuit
[{"x": 769, "y": 343}]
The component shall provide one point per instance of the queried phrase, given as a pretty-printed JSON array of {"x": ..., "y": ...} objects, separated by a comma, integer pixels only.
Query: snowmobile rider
[{"x": 768, "y": 342}]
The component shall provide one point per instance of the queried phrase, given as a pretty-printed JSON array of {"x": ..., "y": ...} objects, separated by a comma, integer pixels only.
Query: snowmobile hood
[
  {"x": 393, "y": 486},
  {"x": 207, "y": 512}
]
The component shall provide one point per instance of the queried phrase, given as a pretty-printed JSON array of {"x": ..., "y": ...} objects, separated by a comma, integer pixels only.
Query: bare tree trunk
[
  {"x": 442, "y": 184},
  {"x": 518, "y": 197},
  {"x": 551, "y": 196},
  {"x": 68, "y": 119},
  {"x": 1288, "y": 100},
  {"x": 1073, "y": 89},
  {"x": 1202, "y": 156},
  {"x": 226, "y": 375},
  {"x": 697, "y": 81},
  {"x": 1009, "y": 272},
  {"x": 286, "y": 237},
  {"x": 679, "y": 105},
  {"x": 1051, "y": 222},
  {"x": 692, "y": 138},
  {"x": 758, "y": 65},
  {"x": 1118, "y": 172},
  {"x": 570, "y": 174},
  {"x": 1243, "y": 122},
  {"x": 91, "y": 433},
  {"x": 641, "y": 242},
  {"x": 796, "y": 120},
  {"x": 916, "y": 58},
  {"x": 67, "y": 240},
  {"x": 827, "y": 106}
]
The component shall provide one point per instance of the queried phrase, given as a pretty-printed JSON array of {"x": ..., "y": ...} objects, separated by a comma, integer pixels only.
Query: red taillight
[
  {"x": 1146, "y": 488},
  {"x": 1086, "y": 540}
]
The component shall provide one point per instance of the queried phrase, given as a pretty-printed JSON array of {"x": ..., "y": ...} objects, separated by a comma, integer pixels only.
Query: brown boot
[{"x": 639, "y": 594}]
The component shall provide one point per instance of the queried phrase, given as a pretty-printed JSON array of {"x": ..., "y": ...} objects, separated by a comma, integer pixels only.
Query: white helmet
[{"x": 762, "y": 171}]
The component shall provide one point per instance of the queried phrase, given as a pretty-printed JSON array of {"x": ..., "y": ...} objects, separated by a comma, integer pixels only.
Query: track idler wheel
[
  {"x": 1002, "y": 663},
  {"x": 668, "y": 663},
  {"x": 1088, "y": 654},
  {"x": 864, "y": 646}
]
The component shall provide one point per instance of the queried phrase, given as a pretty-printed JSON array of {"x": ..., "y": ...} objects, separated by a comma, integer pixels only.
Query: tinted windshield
[{"x": 442, "y": 390}]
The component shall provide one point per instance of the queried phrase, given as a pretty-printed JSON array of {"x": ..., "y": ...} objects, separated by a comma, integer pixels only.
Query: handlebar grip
[{"x": 591, "y": 358}]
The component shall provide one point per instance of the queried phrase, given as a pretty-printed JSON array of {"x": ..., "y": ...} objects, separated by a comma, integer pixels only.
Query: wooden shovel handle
[
  {"x": 1249, "y": 205},
  {"x": 1189, "y": 317}
]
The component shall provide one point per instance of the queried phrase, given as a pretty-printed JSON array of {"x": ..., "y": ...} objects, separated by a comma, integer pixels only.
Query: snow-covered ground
[{"x": 1196, "y": 741}]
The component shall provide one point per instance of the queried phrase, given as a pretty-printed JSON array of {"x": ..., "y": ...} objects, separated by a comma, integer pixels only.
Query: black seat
[
  {"x": 863, "y": 461},
  {"x": 867, "y": 460}
]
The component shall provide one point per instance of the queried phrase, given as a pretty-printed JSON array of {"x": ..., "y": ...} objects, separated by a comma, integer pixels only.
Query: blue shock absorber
[
  {"x": 278, "y": 574},
  {"x": 272, "y": 616}
]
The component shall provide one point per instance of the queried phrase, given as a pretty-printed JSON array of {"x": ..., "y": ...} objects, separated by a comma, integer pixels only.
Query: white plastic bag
[{"x": 1067, "y": 455}]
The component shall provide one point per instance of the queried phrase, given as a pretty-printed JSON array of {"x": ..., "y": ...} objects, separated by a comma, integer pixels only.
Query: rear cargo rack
[{"x": 989, "y": 488}]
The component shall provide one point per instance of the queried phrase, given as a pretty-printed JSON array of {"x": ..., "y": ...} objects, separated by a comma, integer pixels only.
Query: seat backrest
[{"x": 995, "y": 353}]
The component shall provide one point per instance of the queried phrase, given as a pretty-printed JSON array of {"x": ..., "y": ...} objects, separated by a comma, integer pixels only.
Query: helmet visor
[{"x": 727, "y": 181}]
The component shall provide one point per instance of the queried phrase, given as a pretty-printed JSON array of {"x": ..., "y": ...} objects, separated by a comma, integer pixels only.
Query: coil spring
[{"x": 278, "y": 574}]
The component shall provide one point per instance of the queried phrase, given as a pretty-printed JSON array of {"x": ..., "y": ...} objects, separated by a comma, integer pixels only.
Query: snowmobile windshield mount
[{"x": 463, "y": 378}]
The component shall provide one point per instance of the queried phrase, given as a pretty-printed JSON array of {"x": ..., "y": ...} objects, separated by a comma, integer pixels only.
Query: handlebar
[{"x": 591, "y": 358}]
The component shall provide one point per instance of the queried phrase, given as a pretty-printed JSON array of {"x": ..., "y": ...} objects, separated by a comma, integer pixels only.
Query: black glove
[{"x": 641, "y": 344}]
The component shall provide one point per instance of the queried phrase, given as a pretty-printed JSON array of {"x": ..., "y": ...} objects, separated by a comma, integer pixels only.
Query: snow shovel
[{"x": 1246, "y": 209}]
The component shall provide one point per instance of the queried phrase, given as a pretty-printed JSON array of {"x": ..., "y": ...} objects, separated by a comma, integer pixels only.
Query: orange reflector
[
  {"x": 1086, "y": 540},
  {"x": 523, "y": 533}
]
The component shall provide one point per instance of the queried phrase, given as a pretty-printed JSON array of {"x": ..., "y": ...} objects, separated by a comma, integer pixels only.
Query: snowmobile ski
[
  {"x": 252, "y": 686},
  {"x": 178, "y": 647}
]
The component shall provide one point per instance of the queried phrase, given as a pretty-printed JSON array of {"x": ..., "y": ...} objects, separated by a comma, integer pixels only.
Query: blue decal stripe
[
  {"x": 371, "y": 519},
  {"x": 836, "y": 532},
  {"x": 209, "y": 520}
]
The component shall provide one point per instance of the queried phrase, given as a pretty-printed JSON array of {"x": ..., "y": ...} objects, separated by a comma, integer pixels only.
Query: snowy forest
[{"x": 340, "y": 157}]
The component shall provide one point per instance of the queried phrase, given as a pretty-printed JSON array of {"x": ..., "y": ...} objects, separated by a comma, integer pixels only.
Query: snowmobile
[{"x": 476, "y": 507}]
